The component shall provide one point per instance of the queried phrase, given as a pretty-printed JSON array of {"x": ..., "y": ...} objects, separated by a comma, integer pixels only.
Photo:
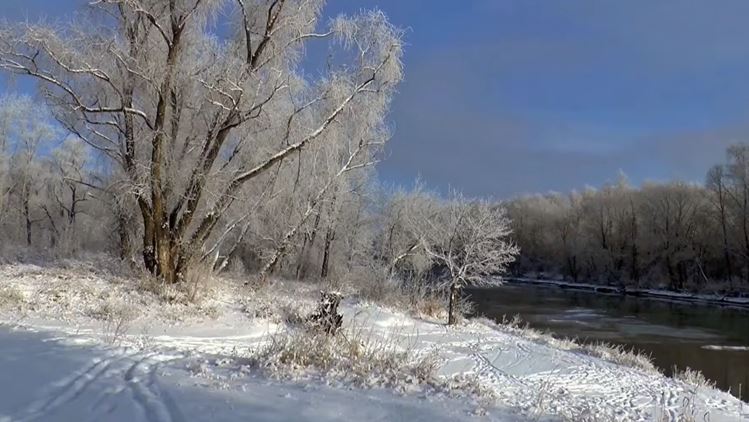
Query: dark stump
[{"x": 326, "y": 317}]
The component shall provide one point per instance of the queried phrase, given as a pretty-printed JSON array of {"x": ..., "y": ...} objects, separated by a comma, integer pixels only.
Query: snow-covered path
[{"x": 48, "y": 379}]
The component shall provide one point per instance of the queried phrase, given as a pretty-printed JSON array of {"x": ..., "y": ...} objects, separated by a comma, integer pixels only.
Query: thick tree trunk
[
  {"x": 125, "y": 248},
  {"x": 149, "y": 246},
  {"x": 161, "y": 253},
  {"x": 167, "y": 261},
  {"x": 452, "y": 317}
]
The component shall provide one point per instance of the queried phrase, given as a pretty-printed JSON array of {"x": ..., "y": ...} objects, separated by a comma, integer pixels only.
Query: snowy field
[{"x": 69, "y": 353}]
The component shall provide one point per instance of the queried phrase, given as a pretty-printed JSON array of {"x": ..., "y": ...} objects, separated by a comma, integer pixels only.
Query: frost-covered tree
[
  {"x": 199, "y": 103},
  {"x": 26, "y": 131},
  {"x": 466, "y": 240},
  {"x": 471, "y": 240}
]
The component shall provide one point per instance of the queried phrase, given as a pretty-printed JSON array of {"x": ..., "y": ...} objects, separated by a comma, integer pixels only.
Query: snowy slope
[{"x": 198, "y": 367}]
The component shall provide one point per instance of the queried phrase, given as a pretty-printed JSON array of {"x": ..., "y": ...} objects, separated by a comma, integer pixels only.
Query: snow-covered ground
[
  {"x": 200, "y": 367},
  {"x": 49, "y": 379}
]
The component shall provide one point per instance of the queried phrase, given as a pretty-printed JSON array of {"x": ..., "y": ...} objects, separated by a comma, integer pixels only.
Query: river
[{"x": 711, "y": 339}]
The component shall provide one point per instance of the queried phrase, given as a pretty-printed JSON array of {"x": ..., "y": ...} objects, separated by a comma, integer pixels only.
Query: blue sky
[{"x": 504, "y": 97}]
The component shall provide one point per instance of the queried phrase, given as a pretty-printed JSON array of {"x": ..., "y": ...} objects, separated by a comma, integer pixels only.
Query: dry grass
[
  {"x": 349, "y": 356},
  {"x": 618, "y": 354},
  {"x": 686, "y": 412},
  {"x": 197, "y": 283},
  {"x": 469, "y": 385},
  {"x": 373, "y": 284},
  {"x": 431, "y": 305},
  {"x": 115, "y": 316},
  {"x": 91, "y": 289},
  {"x": 12, "y": 298},
  {"x": 279, "y": 301},
  {"x": 116, "y": 326},
  {"x": 693, "y": 377}
]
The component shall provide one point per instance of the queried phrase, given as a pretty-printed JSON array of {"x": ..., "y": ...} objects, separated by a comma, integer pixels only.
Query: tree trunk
[
  {"x": 452, "y": 317},
  {"x": 301, "y": 268},
  {"x": 572, "y": 267},
  {"x": 149, "y": 247},
  {"x": 745, "y": 231},
  {"x": 634, "y": 271},
  {"x": 726, "y": 247},
  {"x": 167, "y": 259},
  {"x": 329, "y": 237},
  {"x": 124, "y": 237},
  {"x": 27, "y": 218}
]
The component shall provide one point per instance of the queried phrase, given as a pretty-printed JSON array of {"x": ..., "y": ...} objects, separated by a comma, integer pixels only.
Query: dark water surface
[{"x": 711, "y": 339}]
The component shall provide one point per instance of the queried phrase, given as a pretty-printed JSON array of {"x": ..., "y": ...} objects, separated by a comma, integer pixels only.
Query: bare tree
[{"x": 716, "y": 185}]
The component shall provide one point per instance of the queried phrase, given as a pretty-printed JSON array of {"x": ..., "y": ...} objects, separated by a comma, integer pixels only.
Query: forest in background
[{"x": 675, "y": 235}]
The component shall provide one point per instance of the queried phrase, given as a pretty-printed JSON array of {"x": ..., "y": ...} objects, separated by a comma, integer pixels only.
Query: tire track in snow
[
  {"x": 167, "y": 399},
  {"x": 140, "y": 377},
  {"x": 133, "y": 373},
  {"x": 72, "y": 388}
]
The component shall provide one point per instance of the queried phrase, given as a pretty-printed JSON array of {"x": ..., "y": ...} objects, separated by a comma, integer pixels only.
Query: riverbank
[
  {"x": 234, "y": 337},
  {"x": 675, "y": 335},
  {"x": 704, "y": 299}
]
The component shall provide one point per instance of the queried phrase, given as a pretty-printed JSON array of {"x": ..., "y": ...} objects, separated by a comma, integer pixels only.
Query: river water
[{"x": 711, "y": 339}]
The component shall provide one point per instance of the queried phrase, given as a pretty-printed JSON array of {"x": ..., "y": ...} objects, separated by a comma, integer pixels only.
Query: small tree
[{"x": 469, "y": 240}]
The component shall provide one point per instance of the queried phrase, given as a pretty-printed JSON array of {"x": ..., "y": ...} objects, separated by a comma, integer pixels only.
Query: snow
[
  {"x": 198, "y": 368},
  {"x": 54, "y": 381}
]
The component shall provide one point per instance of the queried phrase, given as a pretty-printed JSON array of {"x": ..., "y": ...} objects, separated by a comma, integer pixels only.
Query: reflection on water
[{"x": 710, "y": 339}]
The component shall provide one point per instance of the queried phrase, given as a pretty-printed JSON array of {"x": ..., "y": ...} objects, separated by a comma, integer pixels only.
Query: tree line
[{"x": 675, "y": 235}]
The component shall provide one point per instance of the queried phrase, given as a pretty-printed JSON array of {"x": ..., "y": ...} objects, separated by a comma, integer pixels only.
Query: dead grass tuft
[
  {"x": 618, "y": 354},
  {"x": 350, "y": 356},
  {"x": 693, "y": 377},
  {"x": 12, "y": 298}
]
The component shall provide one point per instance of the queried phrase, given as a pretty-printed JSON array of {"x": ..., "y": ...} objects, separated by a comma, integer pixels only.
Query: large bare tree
[{"x": 194, "y": 99}]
